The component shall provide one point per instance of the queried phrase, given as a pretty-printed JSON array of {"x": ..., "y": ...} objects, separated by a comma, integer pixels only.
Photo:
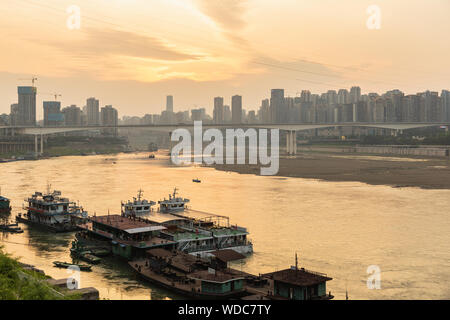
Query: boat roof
[
  {"x": 162, "y": 218},
  {"x": 299, "y": 277},
  {"x": 3, "y": 199},
  {"x": 227, "y": 255},
  {"x": 129, "y": 225},
  {"x": 219, "y": 276}
]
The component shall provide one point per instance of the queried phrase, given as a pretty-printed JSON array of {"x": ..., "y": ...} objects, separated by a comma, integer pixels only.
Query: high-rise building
[
  {"x": 92, "y": 112},
  {"x": 53, "y": 116},
  {"x": 305, "y": 96},
  {"x": 226, "y": 114},
  {"x": 277, "y": 106},
  {"x": 264, "y": 111},
  {"x": 432, "y": 106},
  {"x": 218, "y": 112},
  {"x": 394, "y": 100},
  {"x": 14, "y": 114},
  {"x": 72, "y": 116},
  {"x": 332, "y": 97},
  {"x": 236, "y": 109},
  {"x": 198, "y": 114},
  {"x": 445, "y": 100},
  {"x": 355, "y": 94},
  {"x": 169, "y": 104},
  {"x": 26, "y": 110},
  {"x": 109, "y": 117},
  {"x": 343, "y": 96}
]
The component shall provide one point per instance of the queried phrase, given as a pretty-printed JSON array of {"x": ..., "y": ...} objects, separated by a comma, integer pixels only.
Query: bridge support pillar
[
  {"x": 288, "y": 142},
  {"x": 170, "y": 145},
  {"x": 35, "y": 144},
  {"x": 42, "y": 144},
  {"x": 291, "y": 142}
]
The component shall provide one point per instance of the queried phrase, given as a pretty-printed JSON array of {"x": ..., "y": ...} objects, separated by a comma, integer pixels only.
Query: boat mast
[{"x": 140, "y": 192}]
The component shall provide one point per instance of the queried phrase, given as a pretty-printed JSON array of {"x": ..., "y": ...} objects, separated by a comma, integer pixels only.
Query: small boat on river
[{"x": 82, "y": 267}]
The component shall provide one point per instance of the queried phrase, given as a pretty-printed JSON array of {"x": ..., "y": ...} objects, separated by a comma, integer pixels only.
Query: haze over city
[
  {"x": 246, "y": 153},
  {"x": 131, "y": 54}
]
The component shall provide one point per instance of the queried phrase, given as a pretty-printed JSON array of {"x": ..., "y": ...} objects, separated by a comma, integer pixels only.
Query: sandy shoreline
[{"x": 375, "y": 170}]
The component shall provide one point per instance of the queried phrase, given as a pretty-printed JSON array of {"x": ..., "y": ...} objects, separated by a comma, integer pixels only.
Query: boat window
[
  {"x": 145, "y": 208},
  {"x": 138, "y": 208}
]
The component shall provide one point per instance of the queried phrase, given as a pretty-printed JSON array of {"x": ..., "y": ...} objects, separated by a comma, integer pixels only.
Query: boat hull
[
  {"x": 185, "y": 293},
  {"x": 67, "y": 228}
]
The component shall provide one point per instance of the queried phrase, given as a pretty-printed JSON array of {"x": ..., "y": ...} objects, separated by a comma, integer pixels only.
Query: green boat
[
  {"x": 5, "y": 206},
  {"x": 83, "y": 267},
  {"x": 100, "y": 252},
  {"x": 89, "y": 257},
  {"x": 81, "y": 252}
]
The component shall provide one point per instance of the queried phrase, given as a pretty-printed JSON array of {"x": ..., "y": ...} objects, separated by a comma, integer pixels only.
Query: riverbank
[
  {"x": 24, "y": 282},
  {"x": 424, "y": 173}
]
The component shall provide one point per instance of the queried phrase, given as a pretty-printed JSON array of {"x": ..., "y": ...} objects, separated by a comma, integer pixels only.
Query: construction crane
[
  {"x": 56, "y": 95},
  {"x": 33, "y": 79}
]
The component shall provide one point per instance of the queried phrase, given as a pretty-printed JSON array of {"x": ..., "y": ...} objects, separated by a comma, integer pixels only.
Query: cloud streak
[
  {"x": 228, "y": 15},
  {"x": 111, "y": 42}
]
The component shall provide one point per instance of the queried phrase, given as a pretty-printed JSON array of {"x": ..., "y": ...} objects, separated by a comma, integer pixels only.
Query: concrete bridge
[{"x": 291, "y": 129}]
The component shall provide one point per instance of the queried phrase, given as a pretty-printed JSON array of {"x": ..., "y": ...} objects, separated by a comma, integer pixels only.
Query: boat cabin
[
  {"x": 219, "y": 282},
  {"x": 174, "y": 204},
  {"x": 138, "y": 207},
  {"x": 298, "y": 284},
  {"x": 130, "y": 236}
]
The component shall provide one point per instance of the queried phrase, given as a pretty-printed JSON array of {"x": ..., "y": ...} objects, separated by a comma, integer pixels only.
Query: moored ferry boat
[
  {"x": 5, "y": 206},
  {"x": 173, "y": 204},
  {"x": 52, "y": 212},
  {"x": 138, "y": 207}
]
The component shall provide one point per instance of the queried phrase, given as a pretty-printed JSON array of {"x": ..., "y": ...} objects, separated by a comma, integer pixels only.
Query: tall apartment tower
[
  {"x": 277, "y": 109},
  {"x": 26, "y": 107},
  {"x": 218, "y": 113},
  {"x": 52, "y": 114},
  {"x": 169, "y": 104},
  {"x": 72, "y": 116},
  {"x": 109, "y": 116},
  {"x": 236, "y": 109},
  {"x": 355, "y": 94},
  {"x": 92, "y": 112},
  {"x": 445, "y": 98}
]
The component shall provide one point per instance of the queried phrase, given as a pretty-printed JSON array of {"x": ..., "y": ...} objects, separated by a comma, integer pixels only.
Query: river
[{"x": 338, "y": 228}]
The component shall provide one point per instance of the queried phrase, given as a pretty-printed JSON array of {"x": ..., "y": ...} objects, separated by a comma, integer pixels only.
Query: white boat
[
  {"x": 138, "y": 207},
  {"x": 174, "y": 204},
  {"x": 52, "y": 211}
]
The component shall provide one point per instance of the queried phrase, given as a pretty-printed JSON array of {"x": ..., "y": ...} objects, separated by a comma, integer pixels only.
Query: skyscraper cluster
[
  {"x": 352, "y": 106},
  {"x": 23, "y": 113}
]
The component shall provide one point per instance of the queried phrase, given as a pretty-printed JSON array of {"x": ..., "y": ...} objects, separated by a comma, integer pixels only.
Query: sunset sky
[{"x": 132, "y": 53}]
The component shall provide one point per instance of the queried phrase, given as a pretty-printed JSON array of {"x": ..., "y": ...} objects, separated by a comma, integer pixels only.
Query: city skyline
[
  {"x": 344, "y": 105},
  {"x": 118, "y": 46}
]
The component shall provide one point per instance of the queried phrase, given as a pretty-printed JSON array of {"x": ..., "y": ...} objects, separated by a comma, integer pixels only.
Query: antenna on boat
[
  {"x": 346, "y": 291},
  {"x": 296, "y": 261},
  {"x": 140, "y": 192},
  {"x": 48, "y": 187}
]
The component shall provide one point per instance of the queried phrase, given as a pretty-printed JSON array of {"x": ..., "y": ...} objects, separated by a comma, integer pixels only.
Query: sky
[{"x": 132, "y": 53}]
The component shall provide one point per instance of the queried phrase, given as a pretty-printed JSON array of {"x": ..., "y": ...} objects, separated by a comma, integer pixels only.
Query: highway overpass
[{"x": 291, "y": 145}]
